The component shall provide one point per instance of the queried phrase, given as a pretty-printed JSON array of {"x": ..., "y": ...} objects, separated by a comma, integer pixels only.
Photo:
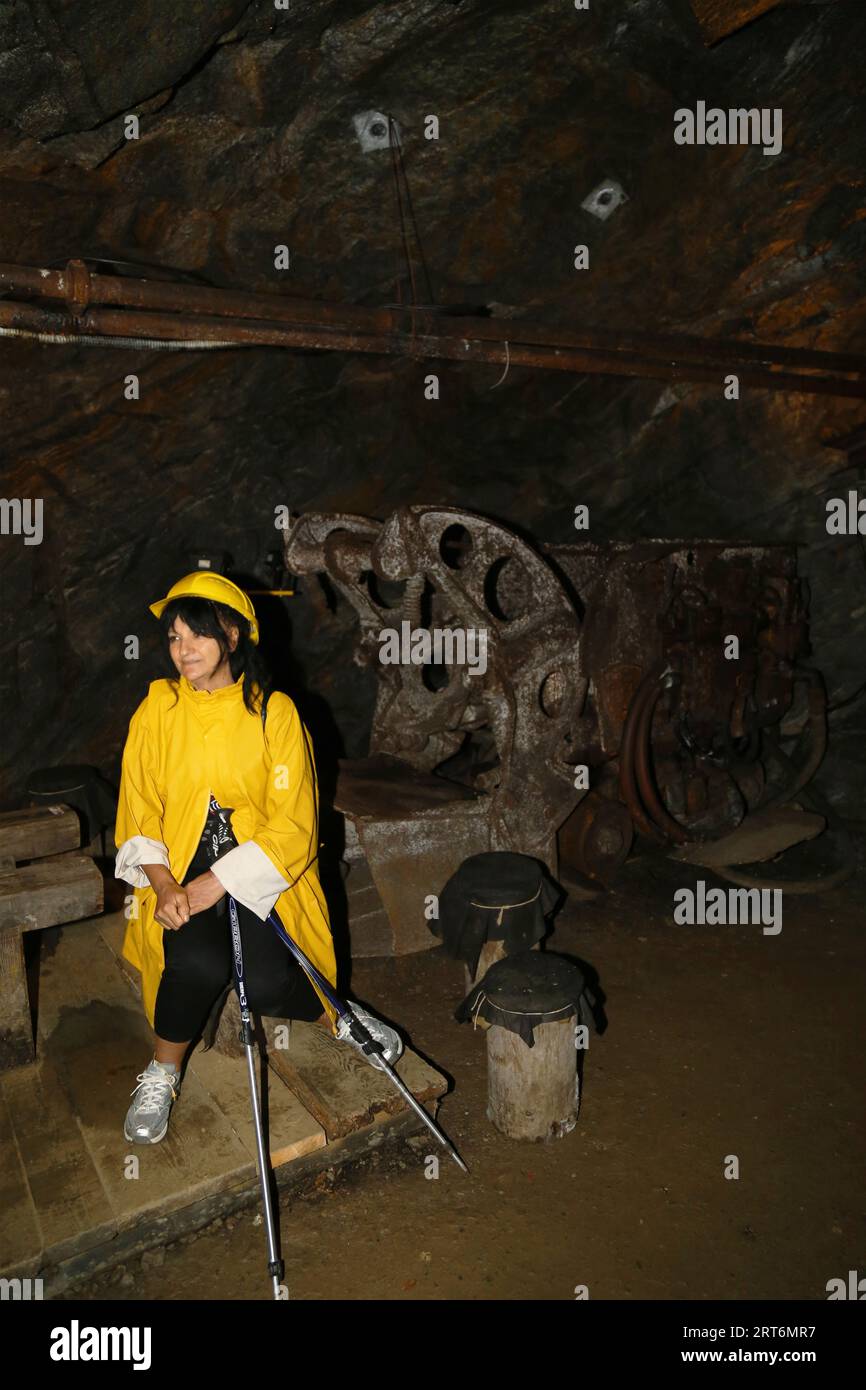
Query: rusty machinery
[
  {"x": 604, "y": 656},
  {"x": 674, "y": 728}
]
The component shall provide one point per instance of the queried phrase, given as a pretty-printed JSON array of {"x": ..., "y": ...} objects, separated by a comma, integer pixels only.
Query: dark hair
[{"x": 203, "y": 616}]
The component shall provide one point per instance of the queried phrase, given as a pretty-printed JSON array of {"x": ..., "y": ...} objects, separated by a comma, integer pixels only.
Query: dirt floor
[{"x": 719, "y": 1041}]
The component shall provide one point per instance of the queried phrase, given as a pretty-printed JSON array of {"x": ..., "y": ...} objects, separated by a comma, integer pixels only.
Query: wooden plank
[
  {"x": 159, "y": 1229},
  {"x": 36, "y": 830},
  {"x": 291, "y": 1129},
  {"x": 49, "y": 893},
  {"x": 321, "y": 1073},
  {"x": 339, "y": 1088},
  {"x": 99, "y": 1041},
  {"x": 20, "y": 1235},
  {"x": 93, "y": 1038},
  {"x": 16, "y": 1030},
  {"x": 719, "y": 18},
  {"x": 71, "y": 1207}
]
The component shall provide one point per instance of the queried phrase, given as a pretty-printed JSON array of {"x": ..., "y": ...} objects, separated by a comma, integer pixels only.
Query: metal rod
[
  {"x": 160, "y": 309},
  {"x": 275, "y": 1267},
  {"x": 160, "y": 294},
  {"x": 251, "y": 333},
  {"x": 374, "y": 1057},
  {"x": 379, "y": 1061},
  {"x": 264, "y": 1171}
]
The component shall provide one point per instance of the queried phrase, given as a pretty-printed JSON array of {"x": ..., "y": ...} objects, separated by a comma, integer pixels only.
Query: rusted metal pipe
[
  {"x": 656, "y": 810},
  {"x": 230, "y": 333},
  {"x": 122, "y": 291},
  {"x": 627, "y": 781},
  {"x": 175, "y": 312}
]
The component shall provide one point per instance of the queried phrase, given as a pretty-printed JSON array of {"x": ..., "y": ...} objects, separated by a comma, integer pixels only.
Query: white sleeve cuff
[
  {"x": 248, "y": 874},
  {"x": 139, "y": 850}
]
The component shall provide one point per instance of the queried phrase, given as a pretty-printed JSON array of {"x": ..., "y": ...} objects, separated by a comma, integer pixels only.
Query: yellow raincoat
[{"x": 184, "y": 744}]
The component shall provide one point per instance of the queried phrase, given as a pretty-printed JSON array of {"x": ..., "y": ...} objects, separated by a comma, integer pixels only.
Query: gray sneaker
[
  {"x": 392, "y": 1043},
  {"x": 147, "y": 1117}
]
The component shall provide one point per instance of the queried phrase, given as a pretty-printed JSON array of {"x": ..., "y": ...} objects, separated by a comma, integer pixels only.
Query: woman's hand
[
  {"x": 203, "y": 892},
  {"x": 172, "y": 905}
]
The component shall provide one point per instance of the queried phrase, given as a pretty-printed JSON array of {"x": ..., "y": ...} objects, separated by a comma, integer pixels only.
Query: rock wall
[{"x": 246, "y": 142}]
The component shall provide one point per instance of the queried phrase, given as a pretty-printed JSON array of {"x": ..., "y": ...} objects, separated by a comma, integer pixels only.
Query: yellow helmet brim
[{"x": 205, "y": 584}]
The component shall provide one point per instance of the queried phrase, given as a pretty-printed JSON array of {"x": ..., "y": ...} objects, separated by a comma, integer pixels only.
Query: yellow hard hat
[{"x": 207, "y": 584}]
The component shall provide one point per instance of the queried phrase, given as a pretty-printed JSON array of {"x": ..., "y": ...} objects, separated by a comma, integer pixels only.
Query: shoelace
[{"x": 151, "y": 1095}]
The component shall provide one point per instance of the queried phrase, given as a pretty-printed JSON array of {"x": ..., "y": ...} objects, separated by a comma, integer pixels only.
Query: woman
[{"x": 218, "y": 795}]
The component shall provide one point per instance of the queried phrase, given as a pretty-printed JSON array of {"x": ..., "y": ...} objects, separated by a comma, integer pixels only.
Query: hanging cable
[
  {"x": 505, "y": 373},
  {"x": 411, "y": 212},
  {"x": 108, "y": 340},
  {"x": 393, "y": 141}
]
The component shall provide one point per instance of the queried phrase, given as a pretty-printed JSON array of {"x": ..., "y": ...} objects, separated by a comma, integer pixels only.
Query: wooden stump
[
  {"x": 533, "y": 1092},
  {"x": 491, "y": 952}
]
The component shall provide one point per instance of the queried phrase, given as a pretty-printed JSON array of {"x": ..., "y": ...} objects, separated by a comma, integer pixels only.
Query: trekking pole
[
  {"x": 368, "y": 1044},
  {"x": 275, "y": 1264}
]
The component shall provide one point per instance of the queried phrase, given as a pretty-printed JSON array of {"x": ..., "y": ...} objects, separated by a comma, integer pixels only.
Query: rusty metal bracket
[{"x": 78, "y": 286}]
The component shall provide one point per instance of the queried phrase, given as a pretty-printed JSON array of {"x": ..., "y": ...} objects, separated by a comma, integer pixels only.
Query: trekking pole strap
[{"x": 246, "y": 1033}]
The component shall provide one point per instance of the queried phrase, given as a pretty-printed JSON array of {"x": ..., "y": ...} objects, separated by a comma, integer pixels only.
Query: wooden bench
[{"x": 45, "y": 881}]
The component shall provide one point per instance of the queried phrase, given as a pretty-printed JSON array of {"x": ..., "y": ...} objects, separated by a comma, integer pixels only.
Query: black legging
[{"x": 199, "y": 965}]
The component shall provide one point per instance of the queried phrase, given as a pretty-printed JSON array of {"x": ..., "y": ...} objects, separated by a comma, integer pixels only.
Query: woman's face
[{"x": 198, "y": 658}]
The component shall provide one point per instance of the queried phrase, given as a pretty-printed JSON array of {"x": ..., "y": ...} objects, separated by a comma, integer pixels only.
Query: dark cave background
[{"x": 246, "y": 141}]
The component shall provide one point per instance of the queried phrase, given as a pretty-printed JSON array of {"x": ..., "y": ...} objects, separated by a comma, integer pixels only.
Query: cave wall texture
[{"x": 246, "y": 142}]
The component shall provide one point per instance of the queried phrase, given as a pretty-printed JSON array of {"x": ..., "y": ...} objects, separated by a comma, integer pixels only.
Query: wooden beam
[
  {"x": 34, "y": 831},
  {"x": 51, "y": 892},
  {"x": 16, "y": 1031},
  {"x": 338, "y": 1086},
  {"x": 65, "y": 1186},
  {"x": 20, "y": 1232},
  {"x": 45, "y": 894}
]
